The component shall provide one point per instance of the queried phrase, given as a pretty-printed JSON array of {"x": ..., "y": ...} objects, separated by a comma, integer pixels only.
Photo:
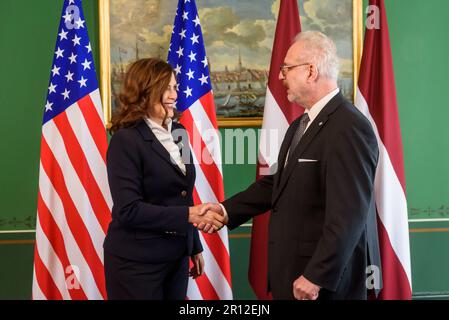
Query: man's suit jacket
[
  {"x": 151, "y": 197},
  {"x": 322, "y": 211}
]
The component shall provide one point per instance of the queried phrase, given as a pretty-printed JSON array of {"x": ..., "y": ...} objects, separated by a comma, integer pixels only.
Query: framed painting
[{"x": 238, "y": 36}]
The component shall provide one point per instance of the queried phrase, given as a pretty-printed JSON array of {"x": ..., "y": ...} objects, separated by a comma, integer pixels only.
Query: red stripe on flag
[
  {"x": 208, "y": 103},
  {"x": 95, "y": 124},
  {"x": 196, "y": 197},
  {"x": 206, "y": 288},
  {"x": 217, "y": 247},
  {"x": 44, "y": 279},
  {"x": 74, "y": 221},
  {"x": 54, "y": 235},
  {"x": 393, "y": 274},
  {"x": 220, "y": 254},
  {"x": 210, "y": 170},
  {"x": 81, "y": 166}
]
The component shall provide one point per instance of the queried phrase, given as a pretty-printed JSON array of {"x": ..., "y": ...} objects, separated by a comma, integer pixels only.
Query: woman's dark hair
[{"x": 144, "y": 84}]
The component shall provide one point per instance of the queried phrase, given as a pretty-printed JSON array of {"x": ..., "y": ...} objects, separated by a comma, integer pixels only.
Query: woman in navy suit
[{"x": 151, "y": 236}]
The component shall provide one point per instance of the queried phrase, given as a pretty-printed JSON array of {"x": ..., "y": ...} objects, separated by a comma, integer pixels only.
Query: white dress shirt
[
  {"x": 317, "y": 107},
  {"x": 314, "y": 111},
  {"x": 166, "y": 139}
]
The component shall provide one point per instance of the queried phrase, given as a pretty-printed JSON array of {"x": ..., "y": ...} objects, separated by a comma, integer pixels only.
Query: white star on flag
[
  {"x": 89, "y": 48},
  {"x": 194, "y": 39},
  {"x": 69, "y": 76},
  {"x": 197, "y": 21},
  {"x": 55, "y": 70},
  {"x": 180, "y": 52},
  {"x": 76, "y": 40},
  {"x": 204, "y": 61},
  {"x": 59, "y": 53},
  {"x": 67, "y": 17},
  {"x": 178, "y": 69},
  {"x": 82, "y": 82},
  {"x": 185, "y": 15},
  {"x": 48, "y": 106},
  {"x": 86, "y": 64},
  {"x": 52, "y": 88},
  {"x": 66, "y": 94},
  {"x": 183, "y": 33},
  {"x": 63, "y": 35},
  {"x": 72, "y": 58},
  {"x": 192, "y": 56},
  {"x": 190, "y": 74},
  {"x": 188, "y": 92},
  {"x": 79, "y": 23},
  {"x": 203, "y": 79}
]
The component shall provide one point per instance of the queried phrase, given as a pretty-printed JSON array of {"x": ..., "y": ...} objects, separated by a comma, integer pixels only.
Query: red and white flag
[
  {"x": 187, "y": 55},
  {"x": 74, "y": 201},
  {"x": 376, "y": 98},
  {"x": 277, "y": 116}
]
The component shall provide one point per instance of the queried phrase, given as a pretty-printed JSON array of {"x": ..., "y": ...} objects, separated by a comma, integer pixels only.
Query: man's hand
[
  {"x": 303, "y": 289},
  {"x": 198, "y": 266},
  {"x": 202, "y": 215},
  {"x": 212, "y": 207}
]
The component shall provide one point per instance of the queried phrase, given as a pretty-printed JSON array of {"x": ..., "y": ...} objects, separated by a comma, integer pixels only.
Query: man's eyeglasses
[{"x": 285, "y": 67}]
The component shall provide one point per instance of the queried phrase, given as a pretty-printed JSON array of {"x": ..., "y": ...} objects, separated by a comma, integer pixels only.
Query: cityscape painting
[{"x": 238, "y": 36}]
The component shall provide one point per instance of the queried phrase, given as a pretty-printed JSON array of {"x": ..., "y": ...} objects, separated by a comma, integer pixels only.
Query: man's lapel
[
  {"x": 284, "y": 150},
  {"x": 318, "y": 123}
]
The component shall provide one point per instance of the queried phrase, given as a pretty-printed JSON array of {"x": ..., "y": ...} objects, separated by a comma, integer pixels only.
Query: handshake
[{"x": 208, "y": 217}]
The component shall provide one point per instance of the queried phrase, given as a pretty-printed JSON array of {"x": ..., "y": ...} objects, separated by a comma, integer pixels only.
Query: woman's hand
[
  {"x": 204, "y": 215},
  {"x": 198, "y": 266}
]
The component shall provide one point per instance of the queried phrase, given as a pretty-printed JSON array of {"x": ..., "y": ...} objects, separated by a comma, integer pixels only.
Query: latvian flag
[{"x": 376, "y": 98}]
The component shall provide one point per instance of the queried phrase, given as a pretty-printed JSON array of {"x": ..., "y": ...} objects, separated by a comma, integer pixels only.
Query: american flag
[
  {"x": 74, "y": 202},
  {"x": 188, "y": 57}
]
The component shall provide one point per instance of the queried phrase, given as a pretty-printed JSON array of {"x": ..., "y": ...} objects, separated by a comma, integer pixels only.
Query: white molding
[
  {"x": 17, "y": 231},
  {"x": 428, "y": 220}
]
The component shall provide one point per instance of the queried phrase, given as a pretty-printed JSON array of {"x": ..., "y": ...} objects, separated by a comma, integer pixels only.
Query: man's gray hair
[{"x": 321, "y": 51}]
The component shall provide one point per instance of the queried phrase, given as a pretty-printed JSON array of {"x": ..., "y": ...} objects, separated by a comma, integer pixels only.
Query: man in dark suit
[{"x": 322, "y": 229}]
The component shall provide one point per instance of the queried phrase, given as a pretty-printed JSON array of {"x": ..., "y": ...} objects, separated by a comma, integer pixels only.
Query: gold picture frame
[{"x": 105, "y": 63}]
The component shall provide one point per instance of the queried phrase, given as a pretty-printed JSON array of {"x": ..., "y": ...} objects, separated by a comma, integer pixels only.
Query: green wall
[{"x": 420, "y": 45}]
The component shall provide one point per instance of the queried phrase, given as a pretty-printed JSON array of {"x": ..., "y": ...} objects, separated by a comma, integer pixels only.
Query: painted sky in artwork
[{"x": 229, "y": 27}]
